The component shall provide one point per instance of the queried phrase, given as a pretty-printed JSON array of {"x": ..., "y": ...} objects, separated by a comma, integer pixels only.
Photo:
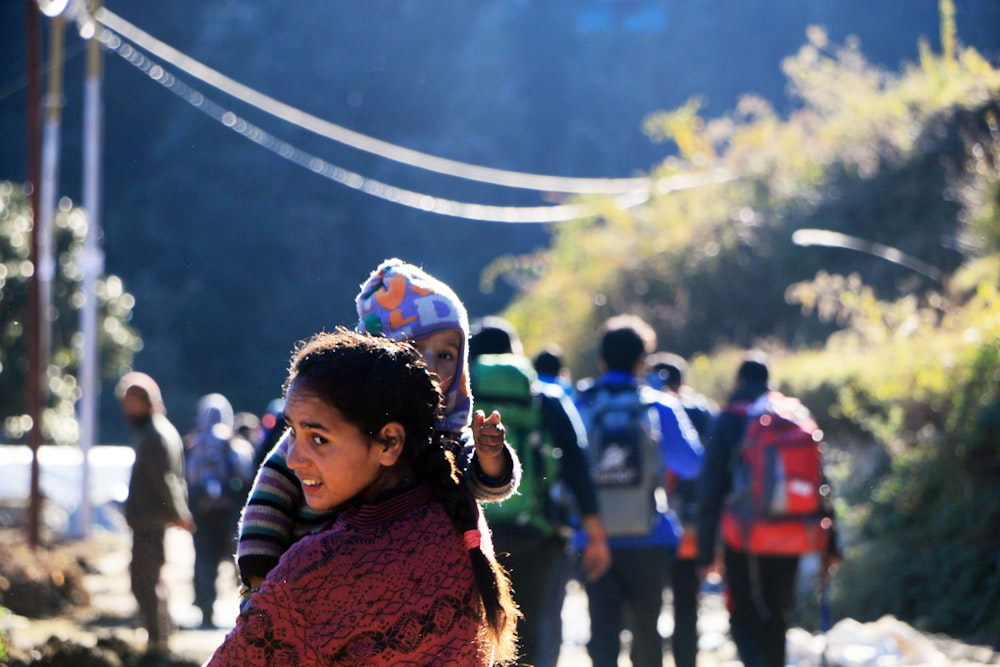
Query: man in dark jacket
[
  {"x": 666, "y": 373},
  {"x": 156, "y": 498},
  {"x": 761, "y": 587},
  {"x": 534, "y": 556}
]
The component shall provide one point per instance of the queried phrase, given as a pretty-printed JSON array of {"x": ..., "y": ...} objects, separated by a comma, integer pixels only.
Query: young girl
[
  {"x": 400, "y": 576},
  {"x": 402, "y": 302}
]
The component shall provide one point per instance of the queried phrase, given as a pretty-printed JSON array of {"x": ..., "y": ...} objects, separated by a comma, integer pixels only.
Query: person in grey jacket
[{"x": 157, "y": 497}]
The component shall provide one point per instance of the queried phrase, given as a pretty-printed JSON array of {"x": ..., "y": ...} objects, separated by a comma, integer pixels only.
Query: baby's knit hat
[{"x": 403, "y": 302}]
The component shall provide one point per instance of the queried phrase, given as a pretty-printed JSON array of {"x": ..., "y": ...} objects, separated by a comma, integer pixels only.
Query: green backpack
[{"x": 507, "y": 383}]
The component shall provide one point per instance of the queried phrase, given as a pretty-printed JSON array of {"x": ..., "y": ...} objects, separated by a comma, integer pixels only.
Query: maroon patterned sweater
[{"x": 386, "y": 584}]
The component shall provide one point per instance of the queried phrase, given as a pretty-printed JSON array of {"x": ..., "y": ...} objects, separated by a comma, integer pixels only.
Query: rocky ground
[{"x": 69, "y": 604}]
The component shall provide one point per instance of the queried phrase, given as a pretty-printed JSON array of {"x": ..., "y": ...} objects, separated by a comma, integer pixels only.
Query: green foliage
[
  {"x": 4, "y": 638},
  {"x": 901, "y": 370},
  {"x": 928, "y": 548},
  {"x": 948, "y": 29},
  {"x": 980, "y": 193},
  {"x": 901, "y": 159},
  {"x": 118, "y": 340},
  {"x": 686, "y": 128}
]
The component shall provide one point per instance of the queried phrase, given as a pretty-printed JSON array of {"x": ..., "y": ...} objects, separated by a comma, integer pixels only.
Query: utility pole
[
  {"x": 34, "y": 398},
  {"x": 45, "y": 265},
  {"x": 91, "y": 264},
  {"x": 43, "y": 255}
]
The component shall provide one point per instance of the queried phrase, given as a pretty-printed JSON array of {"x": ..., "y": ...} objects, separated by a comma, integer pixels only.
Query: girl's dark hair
[{"x": 373, "y": 381}]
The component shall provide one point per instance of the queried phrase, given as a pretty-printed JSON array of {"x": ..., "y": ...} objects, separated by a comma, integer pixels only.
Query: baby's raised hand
[{"x": 488, "y": 434}]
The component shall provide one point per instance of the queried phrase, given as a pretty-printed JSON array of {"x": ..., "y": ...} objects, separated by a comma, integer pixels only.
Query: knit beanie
[{"x": 403, "y": 302}]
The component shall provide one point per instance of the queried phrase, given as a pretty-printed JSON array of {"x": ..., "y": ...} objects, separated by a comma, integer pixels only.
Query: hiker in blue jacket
[{"x": 638, "y": 573}]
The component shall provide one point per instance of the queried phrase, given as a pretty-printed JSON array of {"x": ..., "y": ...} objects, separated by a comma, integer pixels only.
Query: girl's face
[
  {"x": 441, "y": 354},
  {"x": 334, "y": 461}
]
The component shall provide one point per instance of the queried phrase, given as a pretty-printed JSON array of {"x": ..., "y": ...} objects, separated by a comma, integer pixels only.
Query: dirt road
[{"x": 113, "y": 612}]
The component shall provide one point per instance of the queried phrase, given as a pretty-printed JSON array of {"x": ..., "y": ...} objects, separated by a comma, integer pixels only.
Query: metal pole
[
  {"x": 44, "y": 261},
  {"x": 34, "y": 397},
  {"x": 92, "y": 266},
  {"x": 46, "y": 266}
]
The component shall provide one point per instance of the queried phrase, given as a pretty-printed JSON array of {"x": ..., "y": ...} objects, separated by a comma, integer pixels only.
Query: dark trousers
[
  {"x": 762, "y": 590},
  {"x": 633, "y": 585},
  {"x": 533, "y": 560},
  {"x": 214, "y": 541},
  {"x": 148, "y": 557},
  {"x": 550, "y": 629},
  {"x": 685, "y": 584}
]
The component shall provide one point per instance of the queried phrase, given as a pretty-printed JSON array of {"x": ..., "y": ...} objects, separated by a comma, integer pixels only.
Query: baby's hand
[{"x": 488, "y": 436}]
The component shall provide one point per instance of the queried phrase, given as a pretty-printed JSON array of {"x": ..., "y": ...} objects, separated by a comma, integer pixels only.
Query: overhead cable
[
  {"x": 832, "y": 239},
  {"x": 370, "y": 186},
  {"x": 360, "y": 141}
]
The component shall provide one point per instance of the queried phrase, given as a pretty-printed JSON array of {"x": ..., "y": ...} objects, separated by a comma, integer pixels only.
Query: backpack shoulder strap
[
  {"x": 740, "y": 408},
  {"x": 610, "y": 389},
  {"x": 648, "y": 395}
]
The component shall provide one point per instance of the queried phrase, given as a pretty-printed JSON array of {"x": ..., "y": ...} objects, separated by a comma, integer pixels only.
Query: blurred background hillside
[{"x": 232, "y": 253}]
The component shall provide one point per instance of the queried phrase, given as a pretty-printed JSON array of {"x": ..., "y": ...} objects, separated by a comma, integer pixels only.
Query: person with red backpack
[{"x": 764, "y": 490}]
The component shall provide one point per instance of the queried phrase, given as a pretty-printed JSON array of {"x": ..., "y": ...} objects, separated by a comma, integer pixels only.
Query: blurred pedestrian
[
  {"x": 636, "y": 436},
  {"x": 666, "y": 371},
  {"x": 762, "y": 549},
  {"x": 530, "y": 531},
  {"x": 551, "y": 368},
  {"x": 157, "y": 498},
  {"x": 272, "y": 427},
  {"x": 219, "y": 471},
  {"x": 247, "y": 426}
]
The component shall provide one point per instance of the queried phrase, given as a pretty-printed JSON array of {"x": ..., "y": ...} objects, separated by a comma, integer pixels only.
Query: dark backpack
[
  {"x": 623, "y": 439},
  {"x": 508, "y": 383},
  {"x": 779, "y": 500},
  {"x": 215, "y": 479}
]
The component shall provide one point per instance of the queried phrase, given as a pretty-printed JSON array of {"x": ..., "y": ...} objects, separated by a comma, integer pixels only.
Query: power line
[
  {"x": 340, "y": 134},
  {"x": 832, "y": 239},
  {"x": 370, "y": 186},
  {"x": 122, "y": 46}
]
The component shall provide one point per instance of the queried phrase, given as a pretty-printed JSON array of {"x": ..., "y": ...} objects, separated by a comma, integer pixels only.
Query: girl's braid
[{"x": 437, "y": 466}]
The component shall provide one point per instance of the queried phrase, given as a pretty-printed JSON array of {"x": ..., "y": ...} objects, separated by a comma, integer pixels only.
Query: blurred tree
[
  {"x": 901, "y": 369},
  {"x": 906, "y": 159},
  {"x": 119, "y": 341}
]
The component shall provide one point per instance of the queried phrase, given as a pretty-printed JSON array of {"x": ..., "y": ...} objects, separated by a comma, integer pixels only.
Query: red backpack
[{"x": 779, "y": 503}]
